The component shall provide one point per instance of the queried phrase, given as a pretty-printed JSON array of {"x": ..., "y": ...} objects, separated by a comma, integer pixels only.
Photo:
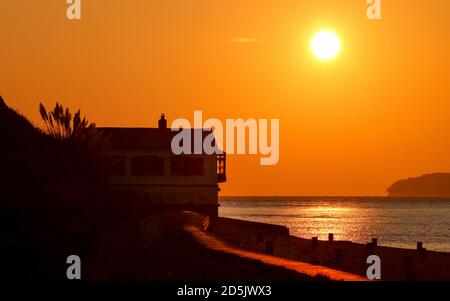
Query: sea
[{"x": 396, "y": 222}]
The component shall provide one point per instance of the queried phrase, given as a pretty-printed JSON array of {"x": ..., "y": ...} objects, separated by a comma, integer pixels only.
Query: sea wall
[{"x": 396, "y": 264}]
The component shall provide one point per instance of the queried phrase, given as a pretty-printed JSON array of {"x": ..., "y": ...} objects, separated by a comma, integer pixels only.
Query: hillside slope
[
  {"x": 429, "y": 185},
  {"x": 50, "y": 203}
]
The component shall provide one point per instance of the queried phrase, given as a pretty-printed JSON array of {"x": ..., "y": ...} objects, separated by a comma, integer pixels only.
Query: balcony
[{"x": 221, "y": 168}]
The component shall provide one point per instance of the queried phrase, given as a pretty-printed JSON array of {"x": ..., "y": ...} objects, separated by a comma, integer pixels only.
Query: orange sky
[{"x": 378, "y": 112}]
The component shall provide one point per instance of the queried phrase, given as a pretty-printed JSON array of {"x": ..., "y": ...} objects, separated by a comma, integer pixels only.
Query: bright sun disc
[{"x": 325, "y": 45}]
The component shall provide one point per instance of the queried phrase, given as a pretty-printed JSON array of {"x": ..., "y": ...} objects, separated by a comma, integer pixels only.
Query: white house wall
[{"x": 171, "y": 189}]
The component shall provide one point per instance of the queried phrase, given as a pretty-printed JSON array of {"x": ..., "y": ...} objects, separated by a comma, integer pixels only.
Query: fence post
[
  {"x": 374, "y": 242},
  {"x": 419, "y": 246}
]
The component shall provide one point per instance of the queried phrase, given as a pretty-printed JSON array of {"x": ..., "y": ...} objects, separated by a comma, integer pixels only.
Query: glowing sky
[{"x": 376, "y": 113}]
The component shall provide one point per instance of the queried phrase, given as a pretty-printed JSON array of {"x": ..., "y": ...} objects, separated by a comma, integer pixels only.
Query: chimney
[{"x": 162, "y": 123}]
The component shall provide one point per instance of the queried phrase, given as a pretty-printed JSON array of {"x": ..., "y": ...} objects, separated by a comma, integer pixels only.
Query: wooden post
[
  {"x": 269, "y": 247},
  {"x": 330, "y": 237},
  {"x": 374, "y": 242},
  {"x": 314, "y": 243},
  {"x": 419, "y": 246}
]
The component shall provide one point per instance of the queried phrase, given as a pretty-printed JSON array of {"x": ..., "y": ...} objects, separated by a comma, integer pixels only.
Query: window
[
  {"x": 186, "y": 166},
  {"x": 147, "y": 166},
  {"x": 118, "y": 166}
]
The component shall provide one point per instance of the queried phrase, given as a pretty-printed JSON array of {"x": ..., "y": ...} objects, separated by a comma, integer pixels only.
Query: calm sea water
[{"x": 396, "y": 222}]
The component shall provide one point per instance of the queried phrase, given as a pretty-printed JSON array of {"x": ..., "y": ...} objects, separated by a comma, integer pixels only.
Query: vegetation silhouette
[{"x": 54, "y": 196}]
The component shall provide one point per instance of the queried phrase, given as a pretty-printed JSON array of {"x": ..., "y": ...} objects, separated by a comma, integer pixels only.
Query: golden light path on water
[
  {"x": 324, "y": 217},
  {"x": 396, "y": 223}
]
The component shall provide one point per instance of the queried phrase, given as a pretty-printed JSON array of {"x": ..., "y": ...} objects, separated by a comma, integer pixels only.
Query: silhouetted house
[{"x": 146, "y": 164}]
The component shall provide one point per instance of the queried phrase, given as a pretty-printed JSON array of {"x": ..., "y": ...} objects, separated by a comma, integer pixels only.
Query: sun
[{"x": 325, "y": 45}]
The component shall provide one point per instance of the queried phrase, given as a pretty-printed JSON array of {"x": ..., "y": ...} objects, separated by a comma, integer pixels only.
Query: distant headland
[{"x": 429, "y": 185}]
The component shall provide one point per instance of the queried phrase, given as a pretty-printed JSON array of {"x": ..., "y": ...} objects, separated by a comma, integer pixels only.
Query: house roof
[{"x": 153, "y": 139}]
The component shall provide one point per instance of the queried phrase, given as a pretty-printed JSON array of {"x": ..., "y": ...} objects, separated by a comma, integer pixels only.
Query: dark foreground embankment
[{"x": 161, "y": 250}]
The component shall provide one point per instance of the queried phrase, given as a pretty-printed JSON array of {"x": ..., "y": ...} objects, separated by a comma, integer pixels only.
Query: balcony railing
[{"x": 221, "y": 168}]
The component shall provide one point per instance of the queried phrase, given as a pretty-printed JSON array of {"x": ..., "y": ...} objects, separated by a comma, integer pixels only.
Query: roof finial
[{"x": 162, "y": 123}]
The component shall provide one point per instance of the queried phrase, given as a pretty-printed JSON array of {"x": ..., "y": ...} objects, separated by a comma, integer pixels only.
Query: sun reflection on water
[{"x": 393, "y": 222}]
